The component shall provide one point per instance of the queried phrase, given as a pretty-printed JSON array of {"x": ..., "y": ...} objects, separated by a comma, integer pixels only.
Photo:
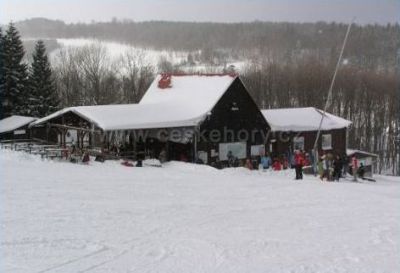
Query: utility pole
[
  {"x": 397, "y": 139},
  {"x": 328, "y": 99}
]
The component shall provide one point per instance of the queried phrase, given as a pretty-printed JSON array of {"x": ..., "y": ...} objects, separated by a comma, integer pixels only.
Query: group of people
[
  {"x": 264, "y": 162},
  {"x": 76, "y": 155},
  {"x": 333, "y": 168},
  {"x": 275, "y": 163},
  {"x": 328, "y": 167}
]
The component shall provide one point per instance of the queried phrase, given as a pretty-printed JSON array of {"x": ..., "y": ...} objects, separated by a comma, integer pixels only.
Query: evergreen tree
[
  {"x": 1, "y": 72},
  {"x": 43, "y": 92},
  {"x": 15, "y": 93}
]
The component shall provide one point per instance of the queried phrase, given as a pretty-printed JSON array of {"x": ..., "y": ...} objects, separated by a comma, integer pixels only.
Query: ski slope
[{"x": 63, "y": 217}]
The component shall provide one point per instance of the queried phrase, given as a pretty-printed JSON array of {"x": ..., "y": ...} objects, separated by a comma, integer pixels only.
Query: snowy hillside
[
  {"x": 118, "y": 50},
  {"x": 61, "y": 217}
]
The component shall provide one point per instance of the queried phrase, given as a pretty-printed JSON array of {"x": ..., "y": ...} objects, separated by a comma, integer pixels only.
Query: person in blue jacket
[{"x": 266, "y": 161}]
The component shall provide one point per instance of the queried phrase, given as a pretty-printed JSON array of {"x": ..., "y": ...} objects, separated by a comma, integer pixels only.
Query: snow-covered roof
[
  {"x": 351, "y": 152},
  {"x": 302, "y": 119},
  {"x": 200, "y": 92},
  {"x": 14, "y": 122},
  {"x": 185, "y": 103}
]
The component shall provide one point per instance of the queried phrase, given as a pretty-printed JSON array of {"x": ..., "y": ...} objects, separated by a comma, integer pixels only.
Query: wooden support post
[
  {"x": 167, "y": 150},
  {"x": 47, "y": 132},
  {"x": 195, "y": 146},
  {"x": 131, "y": 137},
  {"x": 92, "y": 144},
  {"x": 65, "y": 131}
]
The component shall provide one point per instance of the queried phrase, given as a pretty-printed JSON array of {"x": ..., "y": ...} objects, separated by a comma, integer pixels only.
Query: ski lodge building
[
  {"x": 197, "y": 117},
  {"x": 192, "y": 117},
  {"x": 15, "y": 127},
  {"x": 297, "y": 128}
]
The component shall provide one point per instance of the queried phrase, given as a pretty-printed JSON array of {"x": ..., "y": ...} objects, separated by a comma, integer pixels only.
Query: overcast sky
[{"x": 365, "y": 11}]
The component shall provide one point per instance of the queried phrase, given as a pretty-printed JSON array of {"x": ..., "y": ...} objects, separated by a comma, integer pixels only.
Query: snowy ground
[{"x": 61, "y": 217}]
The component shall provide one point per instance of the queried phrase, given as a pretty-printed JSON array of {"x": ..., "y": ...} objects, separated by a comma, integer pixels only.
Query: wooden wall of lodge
[
  {"x": 339, "y": 141},
  {"x": 11, "y": 136},
  {"x": 235, "y": 111}
]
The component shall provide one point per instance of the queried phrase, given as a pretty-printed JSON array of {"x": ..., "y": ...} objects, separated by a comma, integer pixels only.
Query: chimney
[{"x": 165, "y": 81}]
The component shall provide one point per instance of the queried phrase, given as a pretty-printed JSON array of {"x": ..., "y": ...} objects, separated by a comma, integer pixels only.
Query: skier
[
  {"x": 162, "y": 156},
  {"x": 324, "y": 168},
  {"x": 276, "y": 166},
  {"x": 285, "y": 163},
  {"x": 266, "y": 161},
  {"x": 231, "y": 159},
  {"x": 248, "y": 164},
  {"x": 86, "y": 158},
  {"x": 361, "y": 171},
  {"x": 337, "y": 168},
  {"x": 345, "y": 164},
  {"x": 320, "y": 167},
  {"x": 299, "y": 163}
]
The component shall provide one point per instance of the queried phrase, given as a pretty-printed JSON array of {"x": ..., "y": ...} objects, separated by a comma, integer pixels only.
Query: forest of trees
[
  {"x": 25, "y": 89},
  {"x": 369, "y": 46},
  {"x": 289, "y": 65},
  {"x": 368, "y": 98}
]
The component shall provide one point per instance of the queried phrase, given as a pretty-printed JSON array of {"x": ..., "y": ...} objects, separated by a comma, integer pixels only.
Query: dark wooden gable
[{"x": 237, "y": 112}]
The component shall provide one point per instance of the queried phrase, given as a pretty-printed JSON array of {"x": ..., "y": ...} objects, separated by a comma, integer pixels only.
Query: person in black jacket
[
  {"x": 337, "y": 168},
  {"x": 361, "y": 171},
  {"x": 345, "y": 165}
]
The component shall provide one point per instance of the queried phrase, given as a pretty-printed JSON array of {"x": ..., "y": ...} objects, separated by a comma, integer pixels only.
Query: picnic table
[
  {"x": 37, "y": 147},
  {"x": 13, "y": 143},
  {"x": 55, "y": 152}
]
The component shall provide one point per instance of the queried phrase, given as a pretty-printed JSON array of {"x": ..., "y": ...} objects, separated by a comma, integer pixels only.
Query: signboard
[
  {"x": 238, "y": 150},
  {"x": 257, "y": 150},
  {"x": 298, "y": 143},
  {"x": 203, "y": 156},
  {"x": 19, "y": 132},
  {"x": 367, "y": 161},
  {"x": 71, "y": 136},
  {"x": 327, "y": 142}
]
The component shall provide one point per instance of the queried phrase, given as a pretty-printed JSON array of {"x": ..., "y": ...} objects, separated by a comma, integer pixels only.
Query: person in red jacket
[
  {"x": 277, "y": 166},
  {"x": 299, "y": 161}
]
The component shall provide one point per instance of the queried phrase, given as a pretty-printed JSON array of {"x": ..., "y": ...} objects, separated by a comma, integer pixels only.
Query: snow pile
[
  {"x": 302, "y": 119},
  {"x": 351, "y": 152},
  {"x": 14, "y": 122},
  {"x": 104, "y": 217}
]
